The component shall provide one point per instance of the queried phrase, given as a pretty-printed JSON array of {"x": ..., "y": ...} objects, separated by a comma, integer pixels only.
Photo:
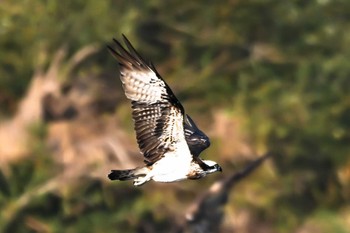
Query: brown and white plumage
[{"x": 163, "y": 131}]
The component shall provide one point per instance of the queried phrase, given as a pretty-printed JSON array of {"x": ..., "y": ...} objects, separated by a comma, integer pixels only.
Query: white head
[{"x": 212, "y": 166}]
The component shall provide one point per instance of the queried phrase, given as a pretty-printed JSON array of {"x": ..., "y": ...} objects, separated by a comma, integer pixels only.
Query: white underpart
[
  {"x": 143, "y": 86},
  {"x": 210, "y": 163},
  {"x": 174, "y": 166}
]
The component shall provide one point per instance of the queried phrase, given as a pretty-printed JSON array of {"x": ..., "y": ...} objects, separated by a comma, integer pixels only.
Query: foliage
[{"x": 280, "y": 66}]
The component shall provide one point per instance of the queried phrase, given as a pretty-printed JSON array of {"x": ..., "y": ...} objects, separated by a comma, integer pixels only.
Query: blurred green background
[{"x": 255, "y": 75}]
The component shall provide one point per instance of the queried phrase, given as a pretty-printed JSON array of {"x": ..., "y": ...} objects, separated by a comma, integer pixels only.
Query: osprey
[{"x": 168, "y": 138}]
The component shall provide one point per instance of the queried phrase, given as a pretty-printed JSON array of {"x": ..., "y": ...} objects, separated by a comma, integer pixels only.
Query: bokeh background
[{"x": 256, "y": 76}]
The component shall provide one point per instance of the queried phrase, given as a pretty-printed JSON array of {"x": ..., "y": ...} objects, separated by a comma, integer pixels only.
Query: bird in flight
[{"x": 168, "y": 138}]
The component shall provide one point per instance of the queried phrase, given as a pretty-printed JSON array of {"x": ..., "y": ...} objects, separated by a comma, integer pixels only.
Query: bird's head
[{"x": 212, "y": 166}]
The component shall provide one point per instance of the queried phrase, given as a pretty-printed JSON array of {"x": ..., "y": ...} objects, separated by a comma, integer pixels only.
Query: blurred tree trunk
[
  {"x": 14, "y": 133},
  {"x": 206, "y": 213},
  {"x": 14, "y": 138}
]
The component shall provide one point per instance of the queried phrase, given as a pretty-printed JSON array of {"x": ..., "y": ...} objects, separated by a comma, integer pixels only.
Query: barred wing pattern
[{"x": 157, "y": 114}]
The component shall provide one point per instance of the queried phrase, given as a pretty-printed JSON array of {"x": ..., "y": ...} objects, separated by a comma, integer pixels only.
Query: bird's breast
[{"x": 174, "y": 166}]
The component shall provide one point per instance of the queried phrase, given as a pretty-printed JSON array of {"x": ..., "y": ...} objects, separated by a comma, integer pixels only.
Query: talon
[{"x": 140, "y": 181}]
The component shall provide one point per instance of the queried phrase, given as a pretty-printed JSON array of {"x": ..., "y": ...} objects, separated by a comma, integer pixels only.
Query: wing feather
[
  {"x": 157, "y": 113},
  {"x": 195, "y": 138}
]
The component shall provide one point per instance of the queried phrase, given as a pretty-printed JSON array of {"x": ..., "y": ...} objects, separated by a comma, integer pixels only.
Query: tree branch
[{"x": 206, "y": 214}]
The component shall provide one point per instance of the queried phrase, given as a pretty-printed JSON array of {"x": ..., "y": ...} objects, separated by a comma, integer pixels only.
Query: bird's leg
[
  {"x": 141, "y": 180},
  {"x": 144, "y": 175}
]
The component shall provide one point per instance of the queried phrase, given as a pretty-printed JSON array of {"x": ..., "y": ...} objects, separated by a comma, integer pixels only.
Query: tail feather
[{"x": 122, "y": 174}]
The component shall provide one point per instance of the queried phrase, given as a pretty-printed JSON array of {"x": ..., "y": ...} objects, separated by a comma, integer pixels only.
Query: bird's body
[{"x": 168, "y": 138}]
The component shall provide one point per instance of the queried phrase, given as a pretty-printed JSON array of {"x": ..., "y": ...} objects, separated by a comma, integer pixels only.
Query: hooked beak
[{"x": 218, "y": 168}]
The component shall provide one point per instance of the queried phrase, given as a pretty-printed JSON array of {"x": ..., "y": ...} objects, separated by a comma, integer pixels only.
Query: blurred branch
[
  {"x": 80, "y": 56},
  {"x": 12, "y": 209},
  {"x": 206, "y": 214}
]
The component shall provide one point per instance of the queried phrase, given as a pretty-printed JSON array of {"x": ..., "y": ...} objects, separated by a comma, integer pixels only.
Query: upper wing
[
  {"x": 197, "y": 141},
  {"x": 157, "y": 114}
]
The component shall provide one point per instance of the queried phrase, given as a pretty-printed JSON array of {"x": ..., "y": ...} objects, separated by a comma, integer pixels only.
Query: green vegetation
[{"x": 274, "y": 74}]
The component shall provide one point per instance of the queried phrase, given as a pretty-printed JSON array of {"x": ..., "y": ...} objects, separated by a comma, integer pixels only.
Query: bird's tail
[{"x": 126, "y": 174}]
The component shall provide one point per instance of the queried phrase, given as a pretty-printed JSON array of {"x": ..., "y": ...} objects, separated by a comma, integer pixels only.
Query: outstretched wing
[
  {"x": 157, "y": 113},
  {"x": 197, "y": 141}
]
